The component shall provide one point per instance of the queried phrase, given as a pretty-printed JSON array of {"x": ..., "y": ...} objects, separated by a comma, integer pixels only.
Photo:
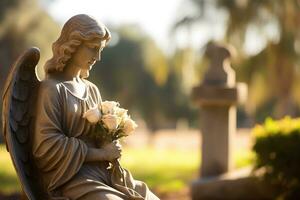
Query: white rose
[
  {"x": 111, "y": 121},
  {"x": 121, "y": 112},
  {"x": 129, "y": 126},
  {"x": 92, "y": 115},
  {"x": 108, "y": 107}
]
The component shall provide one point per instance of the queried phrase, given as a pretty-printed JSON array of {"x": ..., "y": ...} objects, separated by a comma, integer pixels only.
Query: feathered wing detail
[{"x": 19, "y": 97}]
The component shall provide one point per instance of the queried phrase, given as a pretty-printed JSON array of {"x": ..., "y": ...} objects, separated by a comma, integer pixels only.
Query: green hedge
[{"x": 277, "y": 148}]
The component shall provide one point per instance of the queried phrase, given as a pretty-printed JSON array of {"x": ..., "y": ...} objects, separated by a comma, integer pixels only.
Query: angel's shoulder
[
  {"x": 50, "y": 86},
  {"x": 91, "y": 85},
  {"x": 93, "y": 90}
]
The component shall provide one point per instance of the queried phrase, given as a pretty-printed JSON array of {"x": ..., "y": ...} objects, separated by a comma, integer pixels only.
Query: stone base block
[{"x": 237, "y": 185}]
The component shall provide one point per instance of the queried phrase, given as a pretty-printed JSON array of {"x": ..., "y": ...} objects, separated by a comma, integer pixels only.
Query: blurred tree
[
  {"x": 21, "y": 29},
  {"x": 5, "y": 5},
  {"x": 187, "y": 68},
  {"x": 277, "y": 34},
  {"x": 136, "y": 73}
]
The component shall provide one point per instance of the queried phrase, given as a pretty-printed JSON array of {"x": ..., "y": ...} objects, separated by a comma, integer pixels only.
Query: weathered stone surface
[{"x": 218, "y": 126}]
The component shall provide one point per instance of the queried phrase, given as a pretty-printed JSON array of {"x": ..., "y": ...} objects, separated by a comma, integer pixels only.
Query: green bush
[{"x": 277, "y": 148}]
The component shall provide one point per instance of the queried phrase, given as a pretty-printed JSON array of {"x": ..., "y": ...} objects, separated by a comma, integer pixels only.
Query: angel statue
[{"x": 43, "y": 126}]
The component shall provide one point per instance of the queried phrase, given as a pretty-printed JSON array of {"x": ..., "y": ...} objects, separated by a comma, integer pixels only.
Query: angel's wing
[{"x": 19, "y": 97}]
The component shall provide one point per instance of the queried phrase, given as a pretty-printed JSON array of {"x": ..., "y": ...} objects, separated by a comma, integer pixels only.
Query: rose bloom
[
  {"x": 129, "y": 126},
  {"x": 92, "y": 115},
  {"x": 121, "y": 112},
  {"x": 111, "y": 121},
  {"x": 108, "y": 107}
]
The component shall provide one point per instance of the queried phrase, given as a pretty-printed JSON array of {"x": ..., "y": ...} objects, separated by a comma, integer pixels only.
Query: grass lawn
[
  {"x": 8, "y": 179},
  {"x": 163, "y": 170},
  {"x": 170, "y": 170}
]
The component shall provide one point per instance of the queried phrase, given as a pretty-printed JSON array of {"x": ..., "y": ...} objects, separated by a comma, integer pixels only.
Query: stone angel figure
[{"x": 43, "y": 126}]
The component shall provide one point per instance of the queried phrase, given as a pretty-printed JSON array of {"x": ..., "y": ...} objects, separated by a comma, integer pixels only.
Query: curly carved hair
[{"x": 76, "y": 30}]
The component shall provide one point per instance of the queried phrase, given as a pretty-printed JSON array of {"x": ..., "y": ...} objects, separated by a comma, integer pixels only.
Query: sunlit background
[{"x": 155, "y": 58}]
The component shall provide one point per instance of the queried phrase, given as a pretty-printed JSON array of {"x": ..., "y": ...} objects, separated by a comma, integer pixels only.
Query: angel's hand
[
  {"x": 108, "y": 152},
  {"x": 112, "y": 150}
]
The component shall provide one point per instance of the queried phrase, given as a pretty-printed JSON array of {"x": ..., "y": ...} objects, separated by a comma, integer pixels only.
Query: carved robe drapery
[{"x": 60, "y": 146}]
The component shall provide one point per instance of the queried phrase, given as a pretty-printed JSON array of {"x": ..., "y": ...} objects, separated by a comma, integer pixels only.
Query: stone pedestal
[
  {"x": 218, "y": 125},
  {"x": 217, "y": 97}
]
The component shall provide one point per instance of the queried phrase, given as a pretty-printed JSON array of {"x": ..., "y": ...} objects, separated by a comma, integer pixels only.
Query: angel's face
[{"x": 87, "y": 54}]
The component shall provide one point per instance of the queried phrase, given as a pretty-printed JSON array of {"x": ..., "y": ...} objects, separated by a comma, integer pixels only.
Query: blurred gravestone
[{"x": 217, "y": 97}]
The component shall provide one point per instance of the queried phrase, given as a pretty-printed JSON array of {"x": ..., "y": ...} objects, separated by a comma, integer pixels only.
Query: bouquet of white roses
[{"x": 112, "y": 122}]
